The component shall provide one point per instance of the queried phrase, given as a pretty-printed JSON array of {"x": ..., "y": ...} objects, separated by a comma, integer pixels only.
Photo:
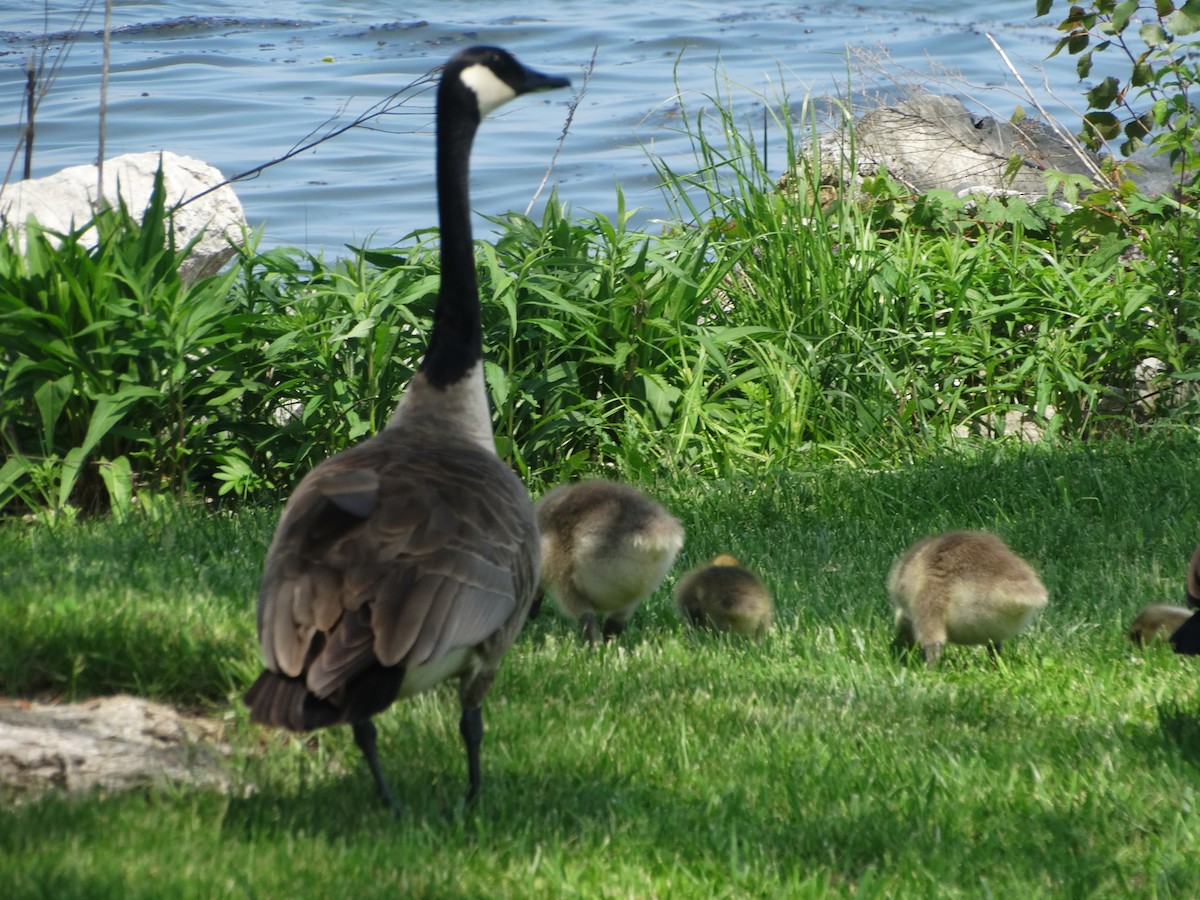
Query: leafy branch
[{"x": 1152, "y": 104}]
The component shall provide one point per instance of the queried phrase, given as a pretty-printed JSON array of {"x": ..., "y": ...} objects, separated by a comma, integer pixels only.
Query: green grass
[{"x": 669, "y": 764}]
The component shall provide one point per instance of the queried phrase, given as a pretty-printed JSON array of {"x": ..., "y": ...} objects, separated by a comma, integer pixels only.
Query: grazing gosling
[
  {"x": 726, "y": 596},
  {"x": 962, "y": 587},
  {"x": 605, "y": 547},
  {"x": 1157, "y": 622},
  {"x": 1186, "y": 638}
]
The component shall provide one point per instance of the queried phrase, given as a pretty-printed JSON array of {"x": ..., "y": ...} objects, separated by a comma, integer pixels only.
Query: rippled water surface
[{"x": 245, "y": 81}]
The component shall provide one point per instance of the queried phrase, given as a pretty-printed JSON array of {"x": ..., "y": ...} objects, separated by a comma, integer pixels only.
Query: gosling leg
[{"x": 933, "y": 652}]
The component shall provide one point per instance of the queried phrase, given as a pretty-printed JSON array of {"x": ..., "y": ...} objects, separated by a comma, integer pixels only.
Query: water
[{"x": 242, "y": 84}]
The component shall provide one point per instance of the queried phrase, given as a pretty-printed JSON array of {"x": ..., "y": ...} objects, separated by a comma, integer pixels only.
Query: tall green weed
[{"x": 113, "y": 371}]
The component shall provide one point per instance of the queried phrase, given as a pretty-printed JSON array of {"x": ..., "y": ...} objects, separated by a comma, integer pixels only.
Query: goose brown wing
[{"x": 395, "y": 554}]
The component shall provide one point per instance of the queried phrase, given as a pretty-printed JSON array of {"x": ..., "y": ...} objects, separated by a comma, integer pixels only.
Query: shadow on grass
[
  {"x": 1180, "y": 726},
  {"x": 150, "y": 655}
]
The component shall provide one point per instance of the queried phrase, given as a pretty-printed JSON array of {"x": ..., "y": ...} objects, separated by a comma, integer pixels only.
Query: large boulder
[
  {"x": 68, "y": 198},
  {"x": 109, "y": 742},
  {"x": 929, "y": 141}
]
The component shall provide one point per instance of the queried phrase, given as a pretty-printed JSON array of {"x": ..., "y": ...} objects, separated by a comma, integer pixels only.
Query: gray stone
[
  {"x": 108, "y": 742},
  {"x": 928, "y": 142},
  {"x": 67, "y": 199}
]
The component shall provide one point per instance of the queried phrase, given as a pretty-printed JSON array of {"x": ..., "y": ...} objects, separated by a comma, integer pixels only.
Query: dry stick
[
  {"x": 46, "y": 79},
  {"x": 103, "y": 102},
  {"x": 1067, "y": 137},
  {"x": 382, "y": 108},
  {"x": 30, "y": 113},
  {"x": 574, "y": 105}
]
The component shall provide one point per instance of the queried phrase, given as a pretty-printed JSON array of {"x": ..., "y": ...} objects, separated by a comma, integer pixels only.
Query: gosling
[
  {"x": 962, "y": 587},
  {"x": 1157, "y": 622},
  {"x": 605, "y": 547},
  {"x": 725, "y": 596}
]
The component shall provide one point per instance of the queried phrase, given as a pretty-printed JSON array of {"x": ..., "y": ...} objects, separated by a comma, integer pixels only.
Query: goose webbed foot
[
  {"x": 933, "y": 652},
  {"x": 364, "y": 736},
  {"x": 613, "y": 628},
  {"x": 470, "y": 726},
  {"x": 589, "y": 629}
]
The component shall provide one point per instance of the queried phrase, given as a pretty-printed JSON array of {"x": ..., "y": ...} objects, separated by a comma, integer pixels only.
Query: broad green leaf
[
  {"x": 51, "y": 398},
  {"x": 69, "y": 472},
  {"x": 1083, "y": 65},
  {"x": 109, "y": 410},
  {"x": 117, "y": 475},
  {"x": 1105, "y": 124},
  {"x": 1152, "y": 34},
  {"x": 1104, "y": 94},
  {"x": 1121, "y": 14},
  {"x": 1185, "y": 20}
]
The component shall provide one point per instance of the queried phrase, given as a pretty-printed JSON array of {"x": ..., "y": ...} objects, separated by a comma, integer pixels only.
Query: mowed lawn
[{"x": 667, "y": 764}]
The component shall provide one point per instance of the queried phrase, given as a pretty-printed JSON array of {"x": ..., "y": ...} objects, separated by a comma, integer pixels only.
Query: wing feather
[{"x": 396, "y": 554}]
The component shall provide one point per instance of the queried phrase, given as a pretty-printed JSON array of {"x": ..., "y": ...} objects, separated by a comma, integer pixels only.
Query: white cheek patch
[{"x": 490, "y": 91}]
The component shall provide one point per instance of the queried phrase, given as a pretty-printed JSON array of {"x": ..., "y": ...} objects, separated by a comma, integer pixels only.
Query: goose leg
[
  {"x": 589, "y": 629},
  {"x": 904, "y": 640},
  {"x": 364, "y": 736},
  {"x": 1186, "y": 638},
  {"x": 470, "y": 726},
  {"x": 614, "y": 625}
]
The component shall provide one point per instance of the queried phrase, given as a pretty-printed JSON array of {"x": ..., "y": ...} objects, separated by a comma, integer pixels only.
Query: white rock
[{"x": 67, "y": 199}]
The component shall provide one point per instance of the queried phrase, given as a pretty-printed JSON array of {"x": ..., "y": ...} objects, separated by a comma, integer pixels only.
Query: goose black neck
[{"x": 456, "y": 342}]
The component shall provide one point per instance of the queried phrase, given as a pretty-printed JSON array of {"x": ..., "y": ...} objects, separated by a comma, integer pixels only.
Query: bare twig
[
  {"x": 103, "y": 101},
  {"x": 31, "y": 84},
  {"x": 40, "y": 79},
  {"x": 1067, "y": 137},
  {"x": 388, "y": 106},
  {"x": 572, "y": 106}
]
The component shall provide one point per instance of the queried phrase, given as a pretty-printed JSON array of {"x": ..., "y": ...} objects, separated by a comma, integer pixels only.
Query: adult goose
[{"x": 412, "y": 557}]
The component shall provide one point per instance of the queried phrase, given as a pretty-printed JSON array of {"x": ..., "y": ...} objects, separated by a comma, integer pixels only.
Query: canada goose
[
  {"x": 605, "y": 547},
  {"x": 1157, "y": 622},
  {"x": 726, "y": 596},
  {"x": 1186, "y": 638},
  {"x": 412, "y": 557},
  {"x": 965, "y": 587}
]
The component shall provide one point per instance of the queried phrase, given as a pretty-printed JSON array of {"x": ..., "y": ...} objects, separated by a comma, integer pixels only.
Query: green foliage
[
  {"x": 775, "y": 323},
  {"x": 898, "y": 321},
  {"x": 110, "y": 366},
  {"x": 1152, "y": 103},
  {"x": 328, "y": 347}
]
